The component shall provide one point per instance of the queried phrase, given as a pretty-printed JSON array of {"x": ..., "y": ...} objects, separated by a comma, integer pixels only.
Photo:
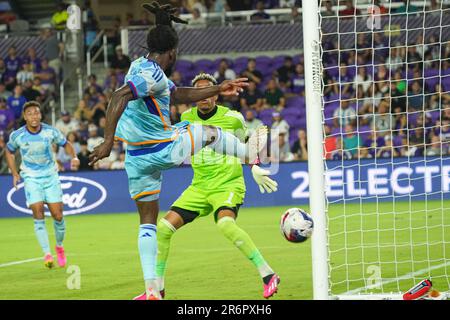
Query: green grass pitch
[{"x": 204, "y": 265}]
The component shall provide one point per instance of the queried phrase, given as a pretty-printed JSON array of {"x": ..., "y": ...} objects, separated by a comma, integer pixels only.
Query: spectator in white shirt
[
  {"x": 281, "y": 125},
  {"x": 224, "y": 72},
  {"x": 67, "y": 124},
  {"x": 25, "y": 74},
  {"x": 93, "y": 140},
  {"x": 344, "y": 115},
  {"x": 251, "y": 122}
]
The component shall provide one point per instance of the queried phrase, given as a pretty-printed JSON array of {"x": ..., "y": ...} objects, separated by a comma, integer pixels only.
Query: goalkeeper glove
[{"x": 263, "y": 181}]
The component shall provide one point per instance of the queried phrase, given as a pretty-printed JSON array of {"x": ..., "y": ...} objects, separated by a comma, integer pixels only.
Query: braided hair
[{"x": 162, "y": 37}]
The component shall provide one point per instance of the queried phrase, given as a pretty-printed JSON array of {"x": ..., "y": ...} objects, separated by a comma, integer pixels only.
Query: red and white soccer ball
[{"x": 296, "y": 225}]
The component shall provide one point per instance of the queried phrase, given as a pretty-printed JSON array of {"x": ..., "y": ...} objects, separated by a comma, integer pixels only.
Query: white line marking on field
[
  {"x": 404, "y": 277},
  {"x": 19, "y": 262}
]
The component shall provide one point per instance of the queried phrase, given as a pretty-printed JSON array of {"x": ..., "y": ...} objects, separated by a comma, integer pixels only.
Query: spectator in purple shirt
[
  {"x": 298, "y": 80},
  {"x": 260, "y": 14},
  {"x": 6, "y": 117},
  {"x": 268, "y": 4},
  {"x": 47, "y": 75},
  {"x": 92, "y": 83},
  {"x": 12, "y": 62},
  {"x": 16, "y": 102},
  {"x": 32, "y": 59},
  {"x": 373, "y": 143}
]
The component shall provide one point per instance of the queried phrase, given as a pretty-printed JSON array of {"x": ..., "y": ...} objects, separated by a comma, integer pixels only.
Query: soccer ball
[{"x": 296, "y": 225}]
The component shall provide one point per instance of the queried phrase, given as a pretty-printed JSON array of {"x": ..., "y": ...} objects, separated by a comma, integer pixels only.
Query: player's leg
[
  {"x": 228, "y": 144},
  {"x": 226, "y": 222},
  {"x": 144, "y": 185},
  {"x": 191, "y": 204},
  {"x": 59, "y": 225},
  {"x": 41, "y": 232},
  {"x": 35, "y": 197},
  {"x": 53, "y": 197},
  {"x": 167, "y": 227},
  {"x": 148, "y": 208}
]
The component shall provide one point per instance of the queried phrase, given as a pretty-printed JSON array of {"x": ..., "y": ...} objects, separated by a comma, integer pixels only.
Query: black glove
[{"x": 164, "y": 14}]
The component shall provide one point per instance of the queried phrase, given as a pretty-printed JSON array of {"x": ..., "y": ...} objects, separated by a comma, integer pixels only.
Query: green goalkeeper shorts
[{"x": 194, "y": 203}]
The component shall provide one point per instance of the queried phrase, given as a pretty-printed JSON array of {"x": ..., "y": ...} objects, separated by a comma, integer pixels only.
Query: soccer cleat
[
  {"x": 150, "y": 297},
  {"x": 272, "y": 287},
  {"x": 419, "y": 291},
  {"x": 141, "y": 297},
  {"x": 61, "y": 256},
  {"x": 162, "y": 293},
  {"x": 256, "y": 143},
  {"x": 48, "y": 261}
]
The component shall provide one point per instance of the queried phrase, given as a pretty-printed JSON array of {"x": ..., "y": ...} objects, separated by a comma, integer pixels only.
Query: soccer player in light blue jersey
[
  {"x": 138, "y": 114},
  {"x": 39, "y": 172}
]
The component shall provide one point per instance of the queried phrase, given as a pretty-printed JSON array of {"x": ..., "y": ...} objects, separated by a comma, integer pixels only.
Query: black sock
[{"x": 266, "y": 279}]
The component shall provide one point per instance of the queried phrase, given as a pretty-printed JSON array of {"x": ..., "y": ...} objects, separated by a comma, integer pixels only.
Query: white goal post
[{"x": 377, "y": 89}]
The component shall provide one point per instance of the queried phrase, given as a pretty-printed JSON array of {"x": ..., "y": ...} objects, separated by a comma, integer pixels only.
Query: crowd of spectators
[{"x": 398, "y": 106}]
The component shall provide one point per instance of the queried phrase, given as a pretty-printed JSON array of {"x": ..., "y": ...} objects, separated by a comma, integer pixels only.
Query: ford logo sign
[{"x": 79, "y": 195}]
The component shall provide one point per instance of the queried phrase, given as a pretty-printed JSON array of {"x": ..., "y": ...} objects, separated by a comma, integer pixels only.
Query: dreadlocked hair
[{"x": 162, "y": 38}]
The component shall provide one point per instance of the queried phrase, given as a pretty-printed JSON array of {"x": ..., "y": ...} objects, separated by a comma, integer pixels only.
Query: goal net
[{"x": 385, "y": 94}]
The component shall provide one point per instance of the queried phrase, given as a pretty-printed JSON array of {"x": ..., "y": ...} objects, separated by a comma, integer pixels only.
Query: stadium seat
[
  {"x": 19, "y": 25},
  {"x": 296, "y": 102}
]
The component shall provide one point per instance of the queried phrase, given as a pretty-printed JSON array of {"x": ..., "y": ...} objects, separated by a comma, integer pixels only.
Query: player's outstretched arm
[
  {"x": 11, "y": 161},
  {"x": 186, "y": 95},
  {"x": 70, "y": 150},
  {"x": 116, "y": 106}
]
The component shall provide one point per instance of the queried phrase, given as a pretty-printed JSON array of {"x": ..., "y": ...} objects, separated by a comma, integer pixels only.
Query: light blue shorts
[
  {"x": 144, "y": 165},
  {"x": 43, "y": 189}
]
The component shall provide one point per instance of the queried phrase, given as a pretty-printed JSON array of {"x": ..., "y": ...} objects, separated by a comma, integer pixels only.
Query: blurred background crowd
[{"x": 380, "y": 99}]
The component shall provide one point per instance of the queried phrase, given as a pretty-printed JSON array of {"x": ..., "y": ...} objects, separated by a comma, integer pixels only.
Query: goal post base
[{"x": 382, "y": 296}]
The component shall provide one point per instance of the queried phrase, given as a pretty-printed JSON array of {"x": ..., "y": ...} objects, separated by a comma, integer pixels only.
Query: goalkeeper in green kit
[{"x": 218, "y": 187}]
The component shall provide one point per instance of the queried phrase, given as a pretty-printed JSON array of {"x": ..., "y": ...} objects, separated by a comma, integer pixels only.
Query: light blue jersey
[
  {"x": 38, "y": 169},
  {"x": 146, "y": 120},
  {"x": 38, "y": 159}
]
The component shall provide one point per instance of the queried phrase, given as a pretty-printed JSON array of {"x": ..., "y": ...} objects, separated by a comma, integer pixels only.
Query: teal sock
[
  {"x": 60, "y": 231},
  {"x": 147, "y": 244},
  {"x": 41, "y": 234}
]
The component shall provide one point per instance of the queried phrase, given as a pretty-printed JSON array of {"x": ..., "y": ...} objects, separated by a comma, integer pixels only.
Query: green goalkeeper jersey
[{"x": 213, "y": 171}]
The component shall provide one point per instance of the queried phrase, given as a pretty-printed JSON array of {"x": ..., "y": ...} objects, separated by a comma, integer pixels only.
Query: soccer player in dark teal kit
[
  {"x": 138, "y": 114},
  {"x": 40, "y": 174}
]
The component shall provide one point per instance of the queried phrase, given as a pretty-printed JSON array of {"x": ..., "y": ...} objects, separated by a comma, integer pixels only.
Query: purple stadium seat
[
  {"x": 397, "y": 140},
  {"x": 431, "y": 83},
  {"x": 412, "y": 119},
  {"x": 446, "y": 83},
  {"x": 434, "y": 115},
  {"x": 264, "y": 63},
  {"x": 330, "y": 107},
  {"x": 292, "y": 120},
  {"x": 428, "y": 73},
  {"x": 203, "y": 64},
  {"x": 292, "y": 112},
  {"x": 241, "y": 60},
  {"x": 296, "y": 102},
  {"x": 183, "y": 65},
  {"x": 336, "y": 131},
  {"x": 332, "y": 97},
  {"x": 297, "y": 59},
  {"x": 278, "y": 61},
  {"x": 333, "y": 72}
]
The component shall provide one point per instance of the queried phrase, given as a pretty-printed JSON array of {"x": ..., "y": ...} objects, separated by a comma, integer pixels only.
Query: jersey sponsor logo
[{"x": 79, "y": 195}]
